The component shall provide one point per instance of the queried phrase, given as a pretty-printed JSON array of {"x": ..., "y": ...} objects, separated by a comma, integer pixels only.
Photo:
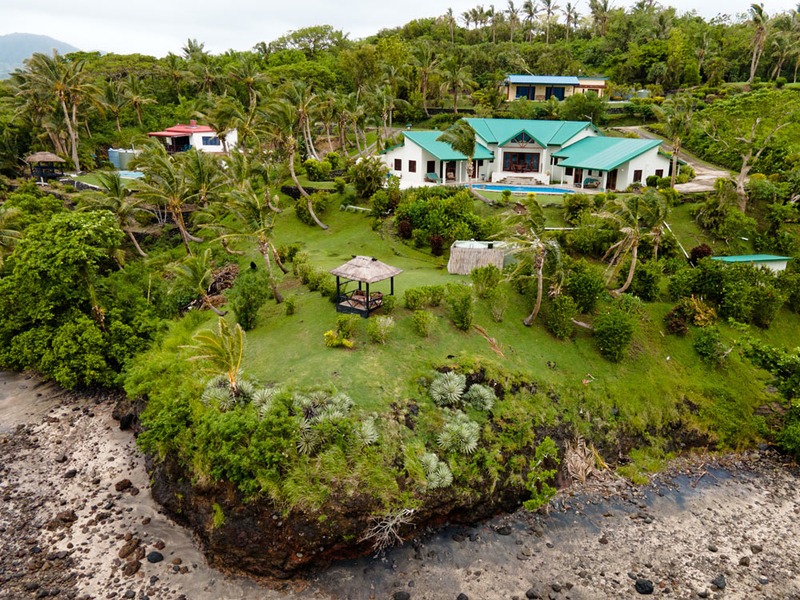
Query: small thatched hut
[
  {"x": 45, "y": 165},
  {"x": 364, "y": 270},
  {"x": 468, "y": 255}
]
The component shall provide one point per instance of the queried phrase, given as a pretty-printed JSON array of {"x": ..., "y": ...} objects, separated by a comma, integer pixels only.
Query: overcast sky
[{"x": 157, "y": 27}]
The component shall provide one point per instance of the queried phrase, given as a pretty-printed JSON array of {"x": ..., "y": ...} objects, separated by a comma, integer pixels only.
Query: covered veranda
[{"x": 365, "y": 271}]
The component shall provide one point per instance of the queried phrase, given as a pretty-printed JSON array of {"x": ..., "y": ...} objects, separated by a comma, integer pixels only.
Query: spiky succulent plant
[
  {"x": 481, "y": 397},
  {"x": 460, "y": 434},
  {"x": 447, "y": 388}
]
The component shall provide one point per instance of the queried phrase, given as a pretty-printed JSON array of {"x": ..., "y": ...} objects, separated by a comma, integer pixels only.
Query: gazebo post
[
  {"x": 391, "y": 286},
  {"x": 338, "y": 294},
  {"x": 368, "y": 300}
]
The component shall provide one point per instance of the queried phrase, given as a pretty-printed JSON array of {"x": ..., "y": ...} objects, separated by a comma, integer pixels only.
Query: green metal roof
[
  {"x": 602, "y": 153},
  {"x": 442, "y": 150},
  {"x": 546, "y": 133},
  {"x": 752, "y": 258}
]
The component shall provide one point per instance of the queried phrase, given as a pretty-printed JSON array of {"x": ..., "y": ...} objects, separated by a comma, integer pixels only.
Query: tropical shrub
[
  {"x": 485, "y": 279},
  {"x": 585, "y": 284},
  {"x": 613, "y": 332},
  {"x": 460, "y": 307},
  {"x": 543, "y": 469},
  {"x": 290, "y": 305},
  {"x": 346, "y": 325},
  {"x": 558, "y": 315},
  {"x": 317, "y": 170},
  {"x": 389, "y": 303},
  {"x": 319, "y": 201},
  {"x": 766, "y": 302},
  {"x": 249, "y": 293},
  {"x": 708, "y": 344},
  {"x": 368, "y": 175},
  {"x": 414, "y": 298},
  {"x": 497, "y": 298},
  {"x": 646, "y": 281},
  {"x": 575, "y": 206},
  {"x": 379, "y": 328},
  {"x": 423, "y": 322},
  {"x": 437, "y": 472}
]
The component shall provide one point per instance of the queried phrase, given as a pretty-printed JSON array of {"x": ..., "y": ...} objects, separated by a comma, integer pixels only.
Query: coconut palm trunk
[
  {"x": 539, "y": 266},
  {"x": 300, "y": 188},
  {"x": 631, "y": 270},
  {"x": 264, "y": 249}
]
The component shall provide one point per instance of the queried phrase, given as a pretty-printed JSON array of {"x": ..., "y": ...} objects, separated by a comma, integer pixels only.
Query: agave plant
[
  {"x": 309, "y": 439},
  {"x": 367, "y": 432},
  {"x": 481, "y": 397},
  {"x": 437, "y": 472},
  {"x": 262, "y": 399},
  {"x": 447, "y": 388},
  {"x": 460, "y": 434}
]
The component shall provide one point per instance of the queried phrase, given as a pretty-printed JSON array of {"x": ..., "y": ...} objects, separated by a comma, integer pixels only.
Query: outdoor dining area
[{"x": 364, "y": 271}]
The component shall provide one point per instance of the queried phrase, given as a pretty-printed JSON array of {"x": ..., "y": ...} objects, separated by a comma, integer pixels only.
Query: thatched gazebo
[
  {"x": 45, "y": 165},
  {"x": 466, "y": 255},
  {"x": 365, "y": 270}
]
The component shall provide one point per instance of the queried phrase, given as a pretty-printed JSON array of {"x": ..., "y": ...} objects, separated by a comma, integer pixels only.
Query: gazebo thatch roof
[
  {"x": 366, "y": 269},
  {"x": 47, "y": 157}
]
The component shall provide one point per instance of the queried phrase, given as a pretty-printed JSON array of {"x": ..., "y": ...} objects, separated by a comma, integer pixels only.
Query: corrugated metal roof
[
  {"x": 442, "y": 150},
  {"x": 752, "y": 258},
  {"x": 546, "y": 133},
  {"x": 603, "y": 153},
  {"x": 543, "y": 80}
]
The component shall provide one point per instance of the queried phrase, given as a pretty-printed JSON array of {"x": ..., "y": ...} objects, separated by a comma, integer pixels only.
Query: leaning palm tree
[
  {"x": 624, "y": 214},
  {"x": 252, "y": 217},
  {"x": 676, "y": 116},
  {"x": 525, "y": 235},
  {"x": 204, "y": 177},
  {"x": 117, "y": 199},
  {"x": 113, "y": 100},
  {"x": 165, "y": 184},
  {"x": 760, "y": 20},
  {"x": 222, "y": 352},
  {"x": 461, "y": 138},
  {"x": 655, "y": 210},
  {"x": 197, "y": 273},
  {"x": 282, "y": 115}
]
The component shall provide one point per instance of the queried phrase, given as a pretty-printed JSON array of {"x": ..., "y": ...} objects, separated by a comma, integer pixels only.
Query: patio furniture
[
  {"x": 432, "y": 178},
  {"x": 591, "y": 182}
]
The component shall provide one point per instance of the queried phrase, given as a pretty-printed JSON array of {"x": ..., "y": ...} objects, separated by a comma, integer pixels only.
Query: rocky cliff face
[{"x": 258, "y": 538}]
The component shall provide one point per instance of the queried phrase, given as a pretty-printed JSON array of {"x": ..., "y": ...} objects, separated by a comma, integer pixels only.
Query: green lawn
[{"x": 647, "y": 389}]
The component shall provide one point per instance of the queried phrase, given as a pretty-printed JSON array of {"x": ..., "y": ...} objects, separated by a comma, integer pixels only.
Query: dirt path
[
  {"x": 77, "y": 521},
  {"x": 706, "y": 174}
]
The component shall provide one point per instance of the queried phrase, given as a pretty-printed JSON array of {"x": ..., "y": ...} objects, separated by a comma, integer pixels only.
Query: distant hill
[{"x": 16, "y": 47}]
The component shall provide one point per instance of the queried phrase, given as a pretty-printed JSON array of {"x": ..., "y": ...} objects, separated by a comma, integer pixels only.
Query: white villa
[
  {"x": 544, "y": 87},
  {"x": 573, "y": 153},
  {"x": 179, "y": 138}
]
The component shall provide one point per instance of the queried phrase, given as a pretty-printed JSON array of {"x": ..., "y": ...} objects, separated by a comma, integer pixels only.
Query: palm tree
[
  {"x": 571, "y": 14},
  {"x": 676, "y": 116},
  {"x": 600, "y": 10},
  {"x": 550, "y": 7},
  {"x": 222, "y": 352},
  {"x": 654, "y": 215},
  {"x": 133, "y": 90},
  {"x": 117, "y": 199},
  {"x": 513, "y": 18},
  {"x": 204, "y": 178},
  {"x": 197, "y": 273},
  {"x": 165, "y": 185},
  {"x": 461, "y": 138},
  {"x": 526, "y": 230},
  {"x": 254, "y": 218},
  {"x": 424, "y": 59},
  {"x": 66, "y": 83},
  {"x": 173, "y": 67},
  {"x": 300, "y": 95},
  {"x": 624, "y": 214},
  {"x": 759, "y": 20},
  {"x": 246, "y": 72},
  {"x": 451, "y": 24},
  {"x": 530, "y": 9},
  {"x": 456, "y": 78},
  {"x": 284, "y": 119},
  {"x": 113, "y": 99}
]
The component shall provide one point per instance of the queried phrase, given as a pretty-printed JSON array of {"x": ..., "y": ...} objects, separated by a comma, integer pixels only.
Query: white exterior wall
[
  {"x": 196, "y": 141},
  {"x": 773, "y": 265},
  {"x": 408, "y": 151},
  {"x": 647, "y": 162}
]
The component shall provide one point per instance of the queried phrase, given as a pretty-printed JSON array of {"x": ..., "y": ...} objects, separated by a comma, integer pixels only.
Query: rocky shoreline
[{"x": 78, "y": 521}]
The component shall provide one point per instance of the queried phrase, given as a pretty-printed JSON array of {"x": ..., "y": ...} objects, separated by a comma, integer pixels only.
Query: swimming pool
[
  {"x": 131, "y": 174},
  {"x": 523, "y": 189}
]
